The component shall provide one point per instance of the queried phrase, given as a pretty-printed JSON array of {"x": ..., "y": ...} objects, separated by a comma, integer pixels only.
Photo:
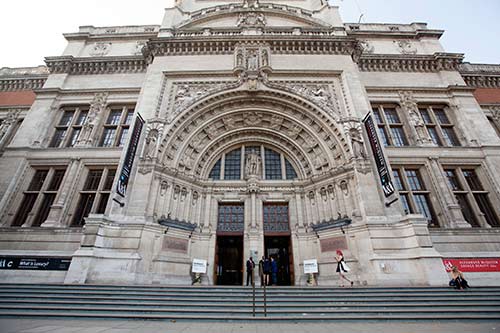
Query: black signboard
[
  {"x": 382, "y": 169},
  {"x": 35, "y": 263},
  {"x": 121, "y": 187}
]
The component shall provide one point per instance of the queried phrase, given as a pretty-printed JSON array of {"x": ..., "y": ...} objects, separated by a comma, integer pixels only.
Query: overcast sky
[{"x": 32, "y": 29}]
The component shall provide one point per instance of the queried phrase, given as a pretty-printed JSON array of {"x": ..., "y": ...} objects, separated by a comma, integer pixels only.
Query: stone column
[
  {"x": 55, "y": 217},
  {"x": 300, "y": 213},
  {"x": 208, "y": 204},
  {"x": 452, "y": 211}
]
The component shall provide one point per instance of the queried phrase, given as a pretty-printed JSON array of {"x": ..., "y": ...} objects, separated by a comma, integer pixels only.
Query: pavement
[{"x": 8, "y": 325}]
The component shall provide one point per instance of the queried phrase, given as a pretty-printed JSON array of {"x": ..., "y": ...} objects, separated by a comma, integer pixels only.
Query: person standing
[
  {"x": 250, "y": 267},
  {"x": 342, "y": 267},
  {"x": 266, "y": 269},
  {"x": 274, "y": 271},
  {"x": 261, "y": 270}
]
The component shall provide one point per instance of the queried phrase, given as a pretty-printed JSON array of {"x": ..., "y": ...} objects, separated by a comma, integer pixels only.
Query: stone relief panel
[
  {"x": 367, "y": 46},
  {"x": 137, "y": 49},
  {"x": 405, "y": 47},
  {"x": 251, "y": 19},
  {"x": 100, "y": 49},
  {"x": 322, "y": 94},
  {"x": 183, "y": 94}
]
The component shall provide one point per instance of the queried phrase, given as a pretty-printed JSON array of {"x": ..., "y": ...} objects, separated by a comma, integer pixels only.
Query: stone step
[{"x": 259, "y": 317}]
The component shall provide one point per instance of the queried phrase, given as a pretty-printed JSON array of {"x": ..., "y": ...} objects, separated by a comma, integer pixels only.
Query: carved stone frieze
[
  {"x": 367, "y": 46},
  {"x": 410, "y": 63},
  {"x": 86, "y": 66}
]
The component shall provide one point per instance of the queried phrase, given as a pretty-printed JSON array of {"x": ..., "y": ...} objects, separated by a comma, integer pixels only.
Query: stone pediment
[{"x": 234, "y": 18}]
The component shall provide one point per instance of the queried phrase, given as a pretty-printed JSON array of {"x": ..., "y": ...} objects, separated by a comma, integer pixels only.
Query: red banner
[{"x": 473, "y": 264}]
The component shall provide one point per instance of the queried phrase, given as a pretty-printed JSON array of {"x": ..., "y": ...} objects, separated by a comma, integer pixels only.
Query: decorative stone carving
[
  {"x": 139, "y": 45},
  {"x": 276, "y": 122},
  {"x": 344, "y": 186},
  {"x": 6, "y": 124},
  {"x": 150, "y": 144},
  {"x": 251, "y": 19},
  {"x": 96, "y": 110},
  {"x": 186, "y": 94},
  {"x": 100, "y": 49},
  {"x": 251, "y": 4},
  {"x": 410, "y": 106},
  {"x": 252, "y": 118},
  {"x": 163, "y": 188},
  {"x": 252, "y": 58},
  {"x": 358, "y": 147},
  {"x": 293, "y": 131},
  {"x": 319, "y": 160},
  {"x": 322, "y": 95},
  {"x": 405, "y": 47},
  {"x": 367, "y": 46},
  {"x": 230, "y": 122},
  {"x": 252, "y": 165},
  {"x": 187, "y": 161}
]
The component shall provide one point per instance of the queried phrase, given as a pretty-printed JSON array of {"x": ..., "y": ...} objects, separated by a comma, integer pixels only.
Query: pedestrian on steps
[
  {"x": 342, "y": 268},
  {"x": 250, "y": 267}
]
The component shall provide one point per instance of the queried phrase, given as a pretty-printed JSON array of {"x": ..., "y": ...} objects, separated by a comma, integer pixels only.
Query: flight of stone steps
[{"x": 235, "y": 303}]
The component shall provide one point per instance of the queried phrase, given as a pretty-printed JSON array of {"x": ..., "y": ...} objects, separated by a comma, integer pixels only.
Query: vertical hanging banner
[
  {"x": 121, "y": 187},
  {"x": 383, "y": 171}
]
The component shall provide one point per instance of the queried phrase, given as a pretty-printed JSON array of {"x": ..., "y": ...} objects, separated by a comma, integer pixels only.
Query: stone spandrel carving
[
  {"x": 96, "y": 110},
  {"x": 100, "y": 49},
  {"x": 186, "y": 94},
  {"x": 406, "y": 47},
  {"x": 322, "y": 95},
  {"x": 410, "y": 106}
]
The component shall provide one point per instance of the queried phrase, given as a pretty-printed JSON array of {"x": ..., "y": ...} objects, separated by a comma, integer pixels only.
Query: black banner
[
  {"x": 382, "y": 169},
  {"x": 121, "y": 186},
  {"x": 35, "y": 263}
]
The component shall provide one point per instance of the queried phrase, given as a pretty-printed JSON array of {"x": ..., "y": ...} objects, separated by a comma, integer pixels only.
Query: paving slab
[{"x": 28, "y": 325}]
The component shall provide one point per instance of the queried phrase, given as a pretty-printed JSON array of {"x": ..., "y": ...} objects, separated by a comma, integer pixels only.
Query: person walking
[
  {"x": 261, "y": 270},
  {"x": 250, "y": 267},
  {"x": 274, "y": 271},
  {"x": 342, "y": 268}
]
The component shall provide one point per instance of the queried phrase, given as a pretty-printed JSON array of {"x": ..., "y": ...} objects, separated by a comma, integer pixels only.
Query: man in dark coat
[{"x": 250, "y": 267}]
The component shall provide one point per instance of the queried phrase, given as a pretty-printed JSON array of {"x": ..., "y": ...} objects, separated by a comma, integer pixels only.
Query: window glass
[
  {"x": 233, "y": 165},
  {"x": 38, "y": 180},
  {"x": 392, "y": 116},
  {"x": 273, "y": 164},
  {"x": 398, "y": 136},
  {"x": 215, "y": 173},
  {"x": 93, "y": 179},
  {"x": 414, "y": 182},
  {"x": 114, "y": 117},
  {"x": 66, "y": 118},
  {"x": 290, "y": 171}
]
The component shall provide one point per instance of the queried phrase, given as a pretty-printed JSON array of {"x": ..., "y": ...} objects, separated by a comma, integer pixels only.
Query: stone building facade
[{"x": 253, "y": 143}]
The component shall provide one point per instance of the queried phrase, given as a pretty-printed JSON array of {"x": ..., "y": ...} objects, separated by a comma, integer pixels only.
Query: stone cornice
[
  {"x": 481, "y": 75},
  {"x": 410, "y": 63},
  {"x": 25, "y": 83},
  {"x": 86, "y": 66},
  {"x": 22, "y": 78},
  {"x": 283, "y": 45},
  {"x": 413, "y": 30}
]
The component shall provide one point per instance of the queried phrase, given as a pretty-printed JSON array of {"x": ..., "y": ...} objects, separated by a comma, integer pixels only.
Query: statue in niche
[
  {"x": 239, "y": 58},
  {"x": 358, "y": 148},
  {"x": 96, "y": 107},
  {"x": 252, "y": 61},
  {"x": 252, "y": 165},
  {"x": 150, "y": 144},
  {"x": 265, "y": 57},
  {"x": 6, "y": 124}
]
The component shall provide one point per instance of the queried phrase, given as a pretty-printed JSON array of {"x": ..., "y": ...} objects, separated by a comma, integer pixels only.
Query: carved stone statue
[
  {"x": 252, "y": 165},
  {"x": 252, "y": 61},
  {"x": 265, "y": 57},
  {"x": 7, "y": 123},
  {"x": 150, "y": 144},
  {"x": 358, "y": 149},
  {"x": 97, "y": 107},
  {"x": 239, "y": 58},
  {"x": 409, "y": 104}
]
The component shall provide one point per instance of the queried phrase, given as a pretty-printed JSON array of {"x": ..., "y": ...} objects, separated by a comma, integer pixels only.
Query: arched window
[{"x": 275, "y": 166}]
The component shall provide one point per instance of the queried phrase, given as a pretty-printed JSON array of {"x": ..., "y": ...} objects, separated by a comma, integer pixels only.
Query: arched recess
[{"x": 305, "y": 132}]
